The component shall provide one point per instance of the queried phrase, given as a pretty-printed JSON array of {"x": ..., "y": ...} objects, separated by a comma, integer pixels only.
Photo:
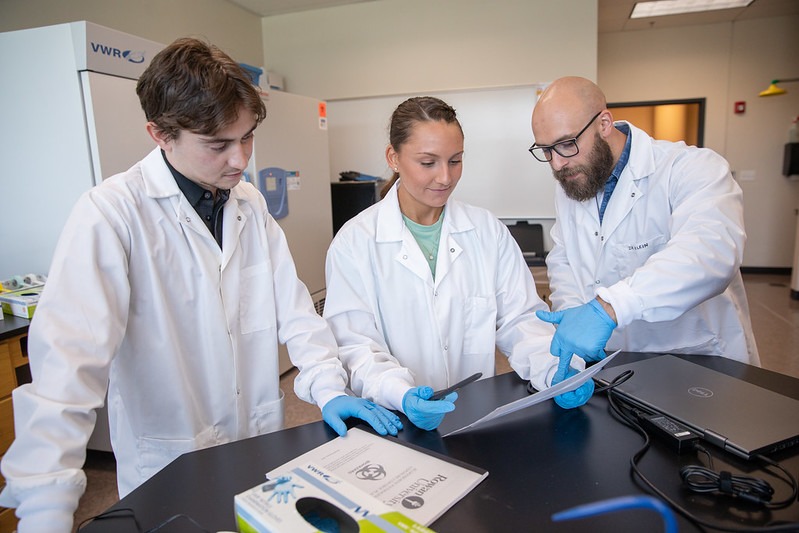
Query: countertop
[{"x": 11, "y": 326}]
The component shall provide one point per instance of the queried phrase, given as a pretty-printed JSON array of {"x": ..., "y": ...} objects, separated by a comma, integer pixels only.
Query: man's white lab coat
[
  {"x": 398, "y": 328},
  {"x": 666, "y": 256},
  {"x": 141, "y": 301}
]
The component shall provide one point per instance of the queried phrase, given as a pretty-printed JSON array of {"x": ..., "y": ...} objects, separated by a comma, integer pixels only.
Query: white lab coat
[
  {"x": 142, "y": 302},
  {"x": 666, "y": 256},
  {"x": 398, "y": 328}
]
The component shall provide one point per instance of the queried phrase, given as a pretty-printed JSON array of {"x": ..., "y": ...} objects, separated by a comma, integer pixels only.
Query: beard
[{"x": 596, "y": 173}]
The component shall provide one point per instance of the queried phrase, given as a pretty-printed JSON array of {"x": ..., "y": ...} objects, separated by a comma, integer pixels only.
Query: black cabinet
[
  {"x": 350, "y": 198},
  {"x": 790, "y": 162}
]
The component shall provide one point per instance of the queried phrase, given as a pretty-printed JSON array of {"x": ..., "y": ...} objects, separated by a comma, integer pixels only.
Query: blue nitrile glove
[
  {"x": 577, "y": 397},
  {"x": 342, "y": 407},
  {"x": 583, "y": 330},
  {"x": 427, "y": 414}
]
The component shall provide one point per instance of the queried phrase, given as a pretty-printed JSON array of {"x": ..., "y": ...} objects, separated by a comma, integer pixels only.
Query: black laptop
[
  {"x": 530, "y": 238},
  {"x": 735, "y": 415}
]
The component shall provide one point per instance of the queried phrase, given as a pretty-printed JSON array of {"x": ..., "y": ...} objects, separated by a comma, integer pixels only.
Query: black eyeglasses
[{"x": 564, "y": 148}]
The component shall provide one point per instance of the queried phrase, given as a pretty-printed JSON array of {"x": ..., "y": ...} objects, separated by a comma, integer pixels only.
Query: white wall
[
  {"x": 762, "y": 50},
  {"x": 233, "y": 29},
  {"x": 412, "y": 47},
  {"x": 498, "y": 172},
  {"x": 725, "y": 63},
  {"x": 416, "y": 46}
]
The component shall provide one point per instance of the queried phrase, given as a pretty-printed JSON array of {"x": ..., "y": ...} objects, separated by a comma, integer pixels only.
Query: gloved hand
[
  {"x": 577, "y": 397},
  {"x": 583, "y": 330},
  {"x": 342, "y": 407},
  {"x": 423, "y": 413}
]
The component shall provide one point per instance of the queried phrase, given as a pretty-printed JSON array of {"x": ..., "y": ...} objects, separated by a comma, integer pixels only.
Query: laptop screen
[{"x": 529, "y": 237}]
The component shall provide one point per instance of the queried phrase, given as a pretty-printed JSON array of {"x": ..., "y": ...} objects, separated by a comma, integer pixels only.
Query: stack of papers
[{"x": 416, "y": 482}]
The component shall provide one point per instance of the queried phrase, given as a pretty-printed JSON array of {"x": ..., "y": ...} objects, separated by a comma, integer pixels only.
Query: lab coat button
[
  {"x": 446, "y": 347},
  {"x": 188, "y": 220},
  {"x": 238, "y": 218},
  {"x": 452, "y": 250},
  {"x": 405, "y": 257},
  {"x": 632, "y": 195},
  {"x": 597, "y": 282},
  {"x": 596, "y": 233}
]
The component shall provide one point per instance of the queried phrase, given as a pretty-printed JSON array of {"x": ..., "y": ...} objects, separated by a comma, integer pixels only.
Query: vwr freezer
[
  {"x": 71, "y": 117},
  {"x": 70, "y": 110}
]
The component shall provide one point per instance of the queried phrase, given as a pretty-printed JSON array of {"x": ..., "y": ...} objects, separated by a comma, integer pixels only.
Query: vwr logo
[{"x": 134, "y": 56}]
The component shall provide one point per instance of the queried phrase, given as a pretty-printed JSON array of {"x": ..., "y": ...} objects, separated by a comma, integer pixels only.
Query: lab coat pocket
[
  {"x": 480, "y": 324},
  {"x": 268, "y": 417},
  {"x": 257, "y": 298},
  {"x": 156, "y": 452},
  {"x": 628, "y": 256}
]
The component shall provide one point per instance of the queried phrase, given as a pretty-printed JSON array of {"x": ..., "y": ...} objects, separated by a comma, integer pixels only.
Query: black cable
[
  {"x": 175, "y": 517},
  {"x": 618, "y": 380},
  {"x": 704, "y": 480},
  {"x": 754, "y": 490},
  {"x": 627, "y": 418},
  {"x": 125, "y": 512},
  {"x": 791, "y": 481},
  {"x": 759, "y": 488},
  {"x": 130, "y": 513}
]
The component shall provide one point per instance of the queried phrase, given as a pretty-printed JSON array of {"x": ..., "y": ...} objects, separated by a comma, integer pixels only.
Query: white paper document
[
  {"x": 564, "y": 386},
  {"x": 416, "y": 482}
]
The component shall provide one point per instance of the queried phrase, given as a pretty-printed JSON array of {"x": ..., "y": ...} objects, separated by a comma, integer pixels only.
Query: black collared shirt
[{"x": 203, "y": 201}]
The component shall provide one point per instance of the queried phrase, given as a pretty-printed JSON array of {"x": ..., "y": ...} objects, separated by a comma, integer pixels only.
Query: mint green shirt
[{"x": 427, "y": 237}]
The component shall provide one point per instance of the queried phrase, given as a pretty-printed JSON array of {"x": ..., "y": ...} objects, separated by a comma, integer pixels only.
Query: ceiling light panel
[{"x": 673, "y": 7}]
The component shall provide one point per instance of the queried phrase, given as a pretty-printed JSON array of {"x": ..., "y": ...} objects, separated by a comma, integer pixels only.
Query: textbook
[
  {"x": 412, "y": 480},
  {"x": 309, "y": 499}
]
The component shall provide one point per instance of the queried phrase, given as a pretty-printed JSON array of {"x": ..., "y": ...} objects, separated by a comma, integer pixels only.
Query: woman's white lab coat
[
  {"x": 398, "y": 328},
  {"x": 142, "y": 301},
  {"x": 666, "y": 256}
]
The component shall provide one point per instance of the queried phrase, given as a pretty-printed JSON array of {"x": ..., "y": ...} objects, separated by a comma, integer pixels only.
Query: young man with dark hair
[{"x": 170, "y": 288}]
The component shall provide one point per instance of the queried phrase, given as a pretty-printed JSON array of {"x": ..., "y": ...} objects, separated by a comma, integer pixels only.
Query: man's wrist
[{"x": 608, "y": 309}]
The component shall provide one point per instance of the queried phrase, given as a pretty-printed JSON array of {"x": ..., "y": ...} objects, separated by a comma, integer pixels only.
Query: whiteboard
[{"x": 499, "y": 173}]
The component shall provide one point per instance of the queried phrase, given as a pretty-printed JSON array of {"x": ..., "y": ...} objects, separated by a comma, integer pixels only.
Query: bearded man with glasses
[{"x": 648, "y": 237}]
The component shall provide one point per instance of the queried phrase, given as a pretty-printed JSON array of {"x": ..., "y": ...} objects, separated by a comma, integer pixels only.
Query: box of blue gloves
[{"x": 308, "y": 498}]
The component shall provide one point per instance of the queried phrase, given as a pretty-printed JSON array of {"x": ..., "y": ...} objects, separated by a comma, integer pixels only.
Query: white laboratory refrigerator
[
  {"x": 291, "y": 167},
  {"x": 71, "y": 117}
]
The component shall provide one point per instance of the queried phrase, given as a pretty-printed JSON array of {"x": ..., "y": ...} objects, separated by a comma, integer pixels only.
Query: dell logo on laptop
[{"x": 700, "y": 392}]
